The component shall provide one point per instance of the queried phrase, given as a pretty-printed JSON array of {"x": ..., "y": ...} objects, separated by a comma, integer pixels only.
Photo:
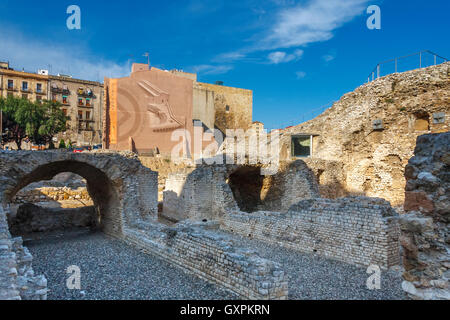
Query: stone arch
[
  {"x": 124, "y": 192},
  {"x": 101, "y": 189}
]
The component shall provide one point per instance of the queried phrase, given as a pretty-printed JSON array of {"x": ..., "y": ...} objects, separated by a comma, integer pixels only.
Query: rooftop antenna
[{"x": 148, "y": 57}]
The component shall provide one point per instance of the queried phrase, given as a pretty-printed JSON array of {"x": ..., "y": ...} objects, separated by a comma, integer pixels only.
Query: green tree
[
  {"x": 38, "y": 122},
  {"x": 54, "y": 121}
]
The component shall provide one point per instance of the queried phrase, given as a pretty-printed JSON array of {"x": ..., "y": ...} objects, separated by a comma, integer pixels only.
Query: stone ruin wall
[
  {"x": 17, "y": 278},
  {"x": 361, "y": 231},
  {"x": 425, "y": 226},
  {"x": 206, "y": 191},
  {"x": 373, "y": 161},
  {"x": 214, "y": 258},
  {"x": 192, "y": 248},
  {"x": 197, "y": 194},
  {"x": 53, "y": 194}
]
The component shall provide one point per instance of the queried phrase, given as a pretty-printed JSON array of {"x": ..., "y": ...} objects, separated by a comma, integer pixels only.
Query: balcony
[
  {"x": 40, "y": 92},
  {"x": 60, "y": 90},
  {"x": 85, "y": 94},
  {"x": 26, "y": 90}
]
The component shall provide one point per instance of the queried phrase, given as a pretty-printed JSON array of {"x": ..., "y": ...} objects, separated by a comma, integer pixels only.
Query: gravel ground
[
  {"x": 112, "y": 270},
  {"x": 312, "y": 277}
]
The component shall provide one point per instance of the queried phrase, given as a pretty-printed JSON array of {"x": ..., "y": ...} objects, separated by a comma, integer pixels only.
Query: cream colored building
[
  {"x": 81, "y": 100},
  {"x": 26, "y": 85}
]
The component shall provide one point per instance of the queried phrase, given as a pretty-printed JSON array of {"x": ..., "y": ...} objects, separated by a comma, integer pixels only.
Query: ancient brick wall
[
  {"x": 374, "y": 159},
  {"x": 214, "y": 258},
  {"x": 359, "y": 231},
  {"x": 425, "y": 226}
]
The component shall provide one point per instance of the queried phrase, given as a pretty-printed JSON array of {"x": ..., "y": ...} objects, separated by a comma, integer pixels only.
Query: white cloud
[
  {"x": 31, "y": 55},
  {"x": 282, "y": 57},
  {"x": 328, "y": 57},
  {"x": 300, "y": 74},
  {"x": 210, "y": 69},
  {"x": 312, "y": 22}
]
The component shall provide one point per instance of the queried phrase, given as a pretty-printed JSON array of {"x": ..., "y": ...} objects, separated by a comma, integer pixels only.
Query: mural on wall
[{"x": 145, "y": 108}]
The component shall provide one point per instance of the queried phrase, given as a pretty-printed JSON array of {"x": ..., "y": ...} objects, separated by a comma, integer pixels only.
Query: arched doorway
[
  {"x": 246, "y": 183},
  {"x": 100, "y": 188}
]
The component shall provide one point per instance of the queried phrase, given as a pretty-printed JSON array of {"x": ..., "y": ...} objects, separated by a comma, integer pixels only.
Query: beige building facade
[
  {"x": 81, "y": 100},
  {"x": 21, "y": 84}
]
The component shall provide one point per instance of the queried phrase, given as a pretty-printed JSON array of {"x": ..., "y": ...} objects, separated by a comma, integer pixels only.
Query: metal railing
[{"x": 424, "y": 59}]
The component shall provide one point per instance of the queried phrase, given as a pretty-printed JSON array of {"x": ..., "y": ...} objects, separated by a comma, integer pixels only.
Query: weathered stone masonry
[
  {"x": 125, "y": 194},
  {"x": 425, "y": 226},
  {"x": 359, "y": 231},
  {"x": 214, "y": 258}
]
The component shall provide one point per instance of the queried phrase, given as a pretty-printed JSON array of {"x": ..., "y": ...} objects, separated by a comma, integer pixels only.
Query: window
[
  {"x": 10, "y": 94},
  {"x": 64, "y": 111},
  {"x": 227, "y": 108},
  {"x": 80, "y": 115},
  {"x": 39, "y": 87},
  {"x": 88, "y": 115},
  {"x": 80, "y": 102},
  {"x": 10, "y": 84},
  {"x": 88, "y": 102},
  {"x": 38, "y": 99},
  {"x": 24, "y": 86},
  {"x": 64, "y": 100},
  {"x": 54, "y": 98},
  {"x": 301, "y": 146},
  {"x": 24, "y": 96},
  {"x": 439, "y": 118}
]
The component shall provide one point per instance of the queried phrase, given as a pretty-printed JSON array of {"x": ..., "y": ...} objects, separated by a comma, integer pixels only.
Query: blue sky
[{"x": 296, "y": 56}]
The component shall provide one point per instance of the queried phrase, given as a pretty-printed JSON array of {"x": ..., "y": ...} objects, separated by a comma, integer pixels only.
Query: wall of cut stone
[
  {"x": 359, "y": 230},
  {"x": 425, "y": 226},
  {"x": 214, "y": 258},
  {"x": 198, "y": 194},
  {"x": 374, "y": 160}
]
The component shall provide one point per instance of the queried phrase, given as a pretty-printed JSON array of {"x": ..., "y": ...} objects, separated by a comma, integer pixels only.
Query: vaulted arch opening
[
  {"x": 247, "y": 183},
  {"x": 103, "y": 212}
]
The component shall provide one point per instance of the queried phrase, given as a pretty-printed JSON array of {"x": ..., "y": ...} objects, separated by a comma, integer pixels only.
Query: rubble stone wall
[
  {"x": 425, "y": 226},
  {"x": 361, "y": 231},
  {"x": 17, "y": 278},
  {"x": 374, "y": 159},
  {"x": 30, "y": 218},
  {"x": 52, "y": 193},
  {"x": 214, "y": 258}
]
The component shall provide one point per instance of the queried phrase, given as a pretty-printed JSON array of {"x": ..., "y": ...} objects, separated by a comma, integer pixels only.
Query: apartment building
[
  {"x": 82, "y": 101},
  {"x": 32, "y": 86}
]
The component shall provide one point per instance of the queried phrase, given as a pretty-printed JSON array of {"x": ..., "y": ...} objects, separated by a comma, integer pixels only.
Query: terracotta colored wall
[{"x": 147, "y": 106}]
